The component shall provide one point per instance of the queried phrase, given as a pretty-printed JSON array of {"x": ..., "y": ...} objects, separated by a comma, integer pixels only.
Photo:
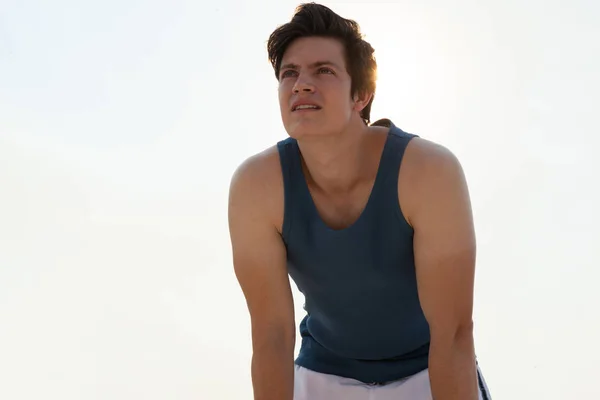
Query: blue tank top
[{"x": 364, "y": 320}]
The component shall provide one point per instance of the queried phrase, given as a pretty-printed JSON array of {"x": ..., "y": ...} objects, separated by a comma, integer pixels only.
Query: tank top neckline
[{"x": 372, "y": 194}]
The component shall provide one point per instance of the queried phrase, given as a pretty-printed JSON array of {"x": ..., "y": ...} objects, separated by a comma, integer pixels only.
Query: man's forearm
[
  {"x": 273, "y": 373},
  {"x": 452, "y": 368}
]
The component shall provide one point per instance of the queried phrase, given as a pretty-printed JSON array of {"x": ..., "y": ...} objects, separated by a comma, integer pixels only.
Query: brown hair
[{"x": 317, "y": 20}]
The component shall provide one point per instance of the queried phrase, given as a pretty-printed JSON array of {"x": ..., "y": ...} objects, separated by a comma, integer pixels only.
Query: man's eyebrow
[
  {"x": 313, "y": 65},
  {"x": 289, "y": 66},
  {"x": 323, "y": 63}
]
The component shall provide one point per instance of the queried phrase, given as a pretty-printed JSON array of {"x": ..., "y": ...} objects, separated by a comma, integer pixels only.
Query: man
[{"x": 373, "y": 224}]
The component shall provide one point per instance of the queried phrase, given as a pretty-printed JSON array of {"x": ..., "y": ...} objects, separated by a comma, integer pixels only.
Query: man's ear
[{"x": 361, "y": 100}]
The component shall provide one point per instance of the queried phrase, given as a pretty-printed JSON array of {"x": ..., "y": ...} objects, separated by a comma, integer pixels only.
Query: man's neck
[{"x": 334, "y": 162}]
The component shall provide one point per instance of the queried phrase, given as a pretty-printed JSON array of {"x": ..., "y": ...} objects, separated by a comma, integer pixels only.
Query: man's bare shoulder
[
  {"x": 257, "y": 185},
  {"x": 429, "y": 156},
  {"x": 429, "y": 170}
]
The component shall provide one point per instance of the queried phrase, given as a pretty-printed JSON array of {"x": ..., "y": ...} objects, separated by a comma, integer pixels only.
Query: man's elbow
[
  {"x": 281, "y": 337},
  {"x": 457, "y": 336}
]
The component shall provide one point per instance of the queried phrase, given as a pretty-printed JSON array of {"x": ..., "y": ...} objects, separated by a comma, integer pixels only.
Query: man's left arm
[{"x": 444, "y": 250}]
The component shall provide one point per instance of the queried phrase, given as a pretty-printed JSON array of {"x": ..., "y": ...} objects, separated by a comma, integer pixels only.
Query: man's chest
[{"x": 340, "y": 211}]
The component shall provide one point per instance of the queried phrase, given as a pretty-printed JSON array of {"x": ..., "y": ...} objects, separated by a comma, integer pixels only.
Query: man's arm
[
  {"x": 444, "y": 250},
  {"x": 259, "y": 257}
]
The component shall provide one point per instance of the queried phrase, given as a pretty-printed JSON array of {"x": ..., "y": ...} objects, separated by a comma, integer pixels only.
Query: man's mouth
[{"x": 306, "y": 107}]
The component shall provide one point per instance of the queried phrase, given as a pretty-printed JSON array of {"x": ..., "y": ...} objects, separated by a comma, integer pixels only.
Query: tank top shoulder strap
[
  {"x": 393, "y": 152},
  {"x": 294, "y": 195}
]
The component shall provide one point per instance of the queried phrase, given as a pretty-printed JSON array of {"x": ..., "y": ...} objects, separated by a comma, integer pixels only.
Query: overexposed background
[{"x": 121, "y": 123}]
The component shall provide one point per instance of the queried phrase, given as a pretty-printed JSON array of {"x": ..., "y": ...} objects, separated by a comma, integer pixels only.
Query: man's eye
[
  {"x": 325, "y": 71},
  {"x": 287, "y": 73}
]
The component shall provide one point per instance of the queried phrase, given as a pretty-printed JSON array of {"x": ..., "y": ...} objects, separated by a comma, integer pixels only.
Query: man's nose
[{"x": 303, "y": 85}]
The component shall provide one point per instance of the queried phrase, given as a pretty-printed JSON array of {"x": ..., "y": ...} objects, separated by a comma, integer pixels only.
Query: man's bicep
[
  {"x": 260, "y": 267},
  {"x": 259, "y": 257},
  {"x": 444, "y": 246}
]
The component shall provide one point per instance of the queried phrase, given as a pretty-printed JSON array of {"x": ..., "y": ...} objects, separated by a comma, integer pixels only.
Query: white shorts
[{"x": 311, "y": 385}]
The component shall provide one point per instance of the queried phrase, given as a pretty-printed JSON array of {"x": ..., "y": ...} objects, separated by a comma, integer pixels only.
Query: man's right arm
[{"x": 259, "y": 258}]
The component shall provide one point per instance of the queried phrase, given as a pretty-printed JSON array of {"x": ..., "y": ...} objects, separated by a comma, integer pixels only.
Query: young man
[{"x": 373, "y": 224}]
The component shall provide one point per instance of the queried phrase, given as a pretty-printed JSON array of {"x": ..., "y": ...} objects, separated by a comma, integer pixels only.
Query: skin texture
[
  {"x": 255, "y": 219},
  {"x": 341, "y": 156},
  {"x": 433, "y": 190}
]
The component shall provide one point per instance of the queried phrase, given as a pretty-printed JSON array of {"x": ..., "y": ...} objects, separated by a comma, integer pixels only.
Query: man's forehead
[{"x": 313, "y": 50}]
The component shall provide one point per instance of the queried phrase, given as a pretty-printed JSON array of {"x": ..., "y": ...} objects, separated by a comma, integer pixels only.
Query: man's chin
[{"x": 304, "y": 128}]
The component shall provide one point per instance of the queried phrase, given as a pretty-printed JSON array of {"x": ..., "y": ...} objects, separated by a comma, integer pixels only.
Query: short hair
[{"x": 315, "y": 20}]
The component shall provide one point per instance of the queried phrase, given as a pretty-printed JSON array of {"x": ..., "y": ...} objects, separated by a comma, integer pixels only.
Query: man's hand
[
  {"x": 436, "y": 196},
  {"x": 259, "y": 257}
]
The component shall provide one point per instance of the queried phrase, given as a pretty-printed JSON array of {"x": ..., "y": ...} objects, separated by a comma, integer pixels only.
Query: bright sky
[{"x": 121, "y": 123}]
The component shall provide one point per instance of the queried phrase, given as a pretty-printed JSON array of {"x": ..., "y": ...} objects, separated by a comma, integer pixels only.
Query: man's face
[{"x": 313, "y": 73}]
